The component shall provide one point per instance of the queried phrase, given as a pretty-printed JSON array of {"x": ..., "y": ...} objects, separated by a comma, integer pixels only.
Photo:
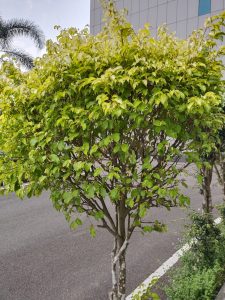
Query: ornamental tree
[{"x": 102, "y": 121}]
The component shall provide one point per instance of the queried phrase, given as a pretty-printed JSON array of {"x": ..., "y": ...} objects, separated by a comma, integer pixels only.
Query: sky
[{"x": 46, "y": 14}]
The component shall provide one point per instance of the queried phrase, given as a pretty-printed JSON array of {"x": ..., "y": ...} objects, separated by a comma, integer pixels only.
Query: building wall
[{"x": 181, "y": 16}]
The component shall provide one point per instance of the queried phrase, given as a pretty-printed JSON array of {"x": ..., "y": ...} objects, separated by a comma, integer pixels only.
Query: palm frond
[
  {"x": 4, "y": 41},
  {"x": 20, "y": 27},
  {"x": 25, "y": 59}
]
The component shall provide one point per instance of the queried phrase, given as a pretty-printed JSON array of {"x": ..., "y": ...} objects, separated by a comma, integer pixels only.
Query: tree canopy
[{"x": 102, "y": 122}]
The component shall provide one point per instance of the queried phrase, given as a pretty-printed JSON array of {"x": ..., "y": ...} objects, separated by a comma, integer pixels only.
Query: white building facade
[{"x": 181, "y": 16}]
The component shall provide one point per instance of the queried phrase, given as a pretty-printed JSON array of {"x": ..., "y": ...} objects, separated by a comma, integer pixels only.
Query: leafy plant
[
  {"x": 146, "y": 293},
  {"x": 102, "y": 121},
  {"x": 200, "y": 284},
  {"x": 221, "y": 209},
  {"x": 207, "y": 238},
  {"x": 201, "y": 270}
]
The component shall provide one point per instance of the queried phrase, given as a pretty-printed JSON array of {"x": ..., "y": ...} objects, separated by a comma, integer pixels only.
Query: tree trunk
[
  {"x": 119, "y": 255},
  {"x": 113, "y": 295},
  {"x": 119, "y": 270},
  {"x": 122, "y": 277},
  {"x": 220, "y": 172},
  {"x": 206, "y": 187},
  {"x": 223, "y": 174}
]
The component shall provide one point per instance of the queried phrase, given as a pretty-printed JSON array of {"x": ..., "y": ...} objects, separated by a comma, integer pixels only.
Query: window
[{"x": 204, "y": 7}]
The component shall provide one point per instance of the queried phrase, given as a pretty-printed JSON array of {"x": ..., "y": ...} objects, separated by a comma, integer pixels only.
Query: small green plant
[
  {"x": 207, "y": 240},
  {"x": 221, "y": 209},
  {"x": 201, "y": 272},
  {"x": 147, "y": 293},
  {"x": 192, "y": 285}
]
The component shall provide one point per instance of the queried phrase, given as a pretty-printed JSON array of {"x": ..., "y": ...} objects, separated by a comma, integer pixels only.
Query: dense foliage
[
  {"x": 201, "y": 271},
  {"x": 102, "y": 121}
]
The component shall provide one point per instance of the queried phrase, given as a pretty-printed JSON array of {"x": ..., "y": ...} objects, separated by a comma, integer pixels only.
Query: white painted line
[{"x": 163, "y": 268}]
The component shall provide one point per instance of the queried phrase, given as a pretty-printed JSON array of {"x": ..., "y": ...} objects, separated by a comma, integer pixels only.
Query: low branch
[{"x": 122, "y": 249}]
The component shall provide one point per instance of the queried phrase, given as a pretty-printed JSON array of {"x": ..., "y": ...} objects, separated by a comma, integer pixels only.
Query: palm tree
[{"x": 19, "y": 27}]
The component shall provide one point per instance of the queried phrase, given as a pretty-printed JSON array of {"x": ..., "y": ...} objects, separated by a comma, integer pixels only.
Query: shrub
[
  {"x": 202, "y": 271},
  {"x": 200, "y": 284}
]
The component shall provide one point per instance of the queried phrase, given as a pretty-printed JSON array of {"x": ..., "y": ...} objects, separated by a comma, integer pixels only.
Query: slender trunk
[
  {"x": 223, "y": 175},
  {"x": 220, "y": 171},
  {"x": 122, "y": 277},
  {"x": 119, "y": 255},
  {"x": 206, "y": 187},
  {"x": 119, "y": 270},
  {"x": 113, "y": 295}
]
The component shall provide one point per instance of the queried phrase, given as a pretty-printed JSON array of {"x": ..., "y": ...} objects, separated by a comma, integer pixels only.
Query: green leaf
[
  {"x": 67, "y": 196},
  {"x": 76, "y": 193},
  {"x": 103, "y": 192},
  {"x": 33, "y": 141},
  {"x": 75, "y": 224},
  {"x": 147, "y": 165},
  {"x": 147, "y": 183},
  {"x": 173, "y": 193},
  {"x": 159, "y": 123},
  {"x": 125, "y": 148},
  {"x": 61, "y": 145},
  {"x": 114, "y": 194},
  {"x": 97, "y": 172},
  {"x": 156, "y": 175},
  {"x": 87, "y": 167},
  {"x": 92, "y": 231},
  {"x": 83, "y": 125},
  {"x": 102, "y": 98},
  {"x": 67, "y": 163},
  {"x": 184, "y": 200},
  {"x": 147, "y": 228},
  {"x": 85, "y": 148},
  {"x": 99, "y": 215},
  {"x": 54, "y": 158},
  {"x": 199, "y": 178},
  {"x": 130, "y": 202},
  {"x": 116, "y": 148},
  {"x": 107, "y": 141},
  {"x": 79, "y": 222},
  {"x": 78, "y": 165},
  {"x": 90, "y": 191},
  {"x": 94, "y": 149},
  {"x": 116, "y": 137},
  {"x": 142, "y": 210}
]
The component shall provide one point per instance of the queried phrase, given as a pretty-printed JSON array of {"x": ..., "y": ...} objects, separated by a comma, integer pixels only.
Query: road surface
[{"x": 42, "y": 259}]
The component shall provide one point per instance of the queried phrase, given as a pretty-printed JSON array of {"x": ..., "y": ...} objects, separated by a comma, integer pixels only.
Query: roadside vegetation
[
  {"x": 201, "y": 272},
  {"x": 103, "y": 121}
]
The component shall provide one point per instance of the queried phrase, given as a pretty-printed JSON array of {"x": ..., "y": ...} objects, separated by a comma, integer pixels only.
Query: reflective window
[{"x": 204, "y": 7}]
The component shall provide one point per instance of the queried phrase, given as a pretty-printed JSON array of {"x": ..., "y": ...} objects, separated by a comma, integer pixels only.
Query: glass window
[{"x": 204, "y": 7}]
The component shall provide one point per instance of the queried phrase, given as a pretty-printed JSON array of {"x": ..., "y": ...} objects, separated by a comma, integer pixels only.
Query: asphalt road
[{"x": 42, "y": 259}]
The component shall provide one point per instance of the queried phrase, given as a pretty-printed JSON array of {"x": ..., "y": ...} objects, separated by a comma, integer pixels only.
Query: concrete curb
[{"x": 221, "y": 295}]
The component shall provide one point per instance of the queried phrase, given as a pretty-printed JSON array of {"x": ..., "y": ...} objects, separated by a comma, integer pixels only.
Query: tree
[
  {"x": 219, "y": 163},
  {"x": 102, "y": 122},
  {"x": 13, "y": 28},
  {"x": 205, "y": 175}
]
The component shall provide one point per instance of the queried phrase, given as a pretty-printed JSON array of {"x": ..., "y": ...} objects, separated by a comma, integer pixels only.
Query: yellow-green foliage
[{"x": 104, "y": 116}]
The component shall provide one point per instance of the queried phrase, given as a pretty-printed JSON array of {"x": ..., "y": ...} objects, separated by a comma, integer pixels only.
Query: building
[{"x": 181, "y": 16}]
